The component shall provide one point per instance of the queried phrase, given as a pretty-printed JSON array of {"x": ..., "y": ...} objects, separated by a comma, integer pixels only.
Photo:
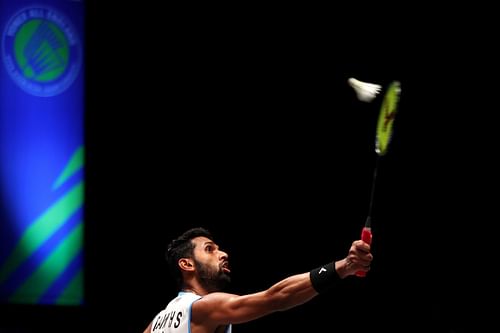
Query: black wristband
[{"x": 324, "y": 277}]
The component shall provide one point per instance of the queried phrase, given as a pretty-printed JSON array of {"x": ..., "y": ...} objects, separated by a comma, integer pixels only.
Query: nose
[{"x": 223, "y": 255}]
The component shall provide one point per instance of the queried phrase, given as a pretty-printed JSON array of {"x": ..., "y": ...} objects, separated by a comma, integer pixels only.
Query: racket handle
[{"x": 366, "y": 236}]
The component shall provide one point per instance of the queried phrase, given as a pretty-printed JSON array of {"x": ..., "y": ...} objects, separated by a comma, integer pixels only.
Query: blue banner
[{"x": 41, "y": 151}]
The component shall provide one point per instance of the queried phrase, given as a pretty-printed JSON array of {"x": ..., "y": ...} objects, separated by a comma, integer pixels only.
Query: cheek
[{"x": 207, "y": 260}]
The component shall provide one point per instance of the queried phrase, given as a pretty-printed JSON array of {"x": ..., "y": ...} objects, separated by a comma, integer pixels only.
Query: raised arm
[{"x": 222, "y": 308}]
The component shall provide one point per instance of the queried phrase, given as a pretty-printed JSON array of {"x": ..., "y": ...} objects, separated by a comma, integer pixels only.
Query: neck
[{"x": 195, "y": 287}]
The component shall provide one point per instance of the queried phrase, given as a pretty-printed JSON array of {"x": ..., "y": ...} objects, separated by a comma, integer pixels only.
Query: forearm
[{"x": 290, "y": 292}]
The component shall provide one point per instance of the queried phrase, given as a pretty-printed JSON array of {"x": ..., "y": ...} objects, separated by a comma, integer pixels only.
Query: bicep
[{"x": 223, "y": 309}]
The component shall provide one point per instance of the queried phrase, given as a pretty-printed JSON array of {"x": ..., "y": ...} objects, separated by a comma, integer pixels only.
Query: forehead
[{"x": 200, "y": 241}]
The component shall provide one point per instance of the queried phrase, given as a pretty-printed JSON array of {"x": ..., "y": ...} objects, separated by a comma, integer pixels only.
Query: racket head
[{"x": 386, "y": 117}]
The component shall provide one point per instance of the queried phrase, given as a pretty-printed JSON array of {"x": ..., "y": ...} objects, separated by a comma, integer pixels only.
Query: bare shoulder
[
  {"x": 148, "y": 329},
  {"x": 205, "y": 308},
  {"x": 211, "y": 300},
  {"x": 223, "y": 308}
]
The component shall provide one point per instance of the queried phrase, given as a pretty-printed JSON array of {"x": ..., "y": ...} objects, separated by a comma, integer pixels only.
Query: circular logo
[{"x": 41, "y": 51}]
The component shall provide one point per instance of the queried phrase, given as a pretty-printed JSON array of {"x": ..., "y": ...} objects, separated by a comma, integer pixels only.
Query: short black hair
[{"x": 182, "y": 247}]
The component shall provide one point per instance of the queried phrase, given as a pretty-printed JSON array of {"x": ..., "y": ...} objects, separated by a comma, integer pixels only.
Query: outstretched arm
[{"x": 222, "y": 308}]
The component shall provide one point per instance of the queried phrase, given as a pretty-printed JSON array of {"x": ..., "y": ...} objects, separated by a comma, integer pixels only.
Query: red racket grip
[{"x": 366, "y": 236}]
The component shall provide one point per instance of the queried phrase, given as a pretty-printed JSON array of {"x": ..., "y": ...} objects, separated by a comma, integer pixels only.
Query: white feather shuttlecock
[{"x": 365, "y": 91}]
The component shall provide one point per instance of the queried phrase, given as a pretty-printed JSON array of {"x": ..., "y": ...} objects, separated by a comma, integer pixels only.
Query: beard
[{"x": 211, "y": 279}]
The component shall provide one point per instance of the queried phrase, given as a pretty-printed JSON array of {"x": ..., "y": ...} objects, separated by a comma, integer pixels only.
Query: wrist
[{"x": 324, "y": 277}]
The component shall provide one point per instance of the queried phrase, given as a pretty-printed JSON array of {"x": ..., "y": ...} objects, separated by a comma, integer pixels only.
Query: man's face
[{"x": 212, "y": 265}]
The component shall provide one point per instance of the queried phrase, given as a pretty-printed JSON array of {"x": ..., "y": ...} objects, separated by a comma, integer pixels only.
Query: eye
[{"x": 209, "y": 248}]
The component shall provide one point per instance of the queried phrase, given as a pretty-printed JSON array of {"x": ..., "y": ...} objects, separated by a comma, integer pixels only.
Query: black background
[{"x": 243, "y": 122}]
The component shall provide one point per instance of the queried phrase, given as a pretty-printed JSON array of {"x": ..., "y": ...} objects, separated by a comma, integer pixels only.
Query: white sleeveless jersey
[{"x": 176, "y": 317}]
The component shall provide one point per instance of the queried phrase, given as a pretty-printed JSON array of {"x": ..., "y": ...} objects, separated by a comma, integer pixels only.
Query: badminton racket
[{"x": 383, "y": 137}]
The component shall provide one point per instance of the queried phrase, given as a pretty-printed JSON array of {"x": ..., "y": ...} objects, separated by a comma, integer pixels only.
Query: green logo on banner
[{"x": 41, "y": 51}]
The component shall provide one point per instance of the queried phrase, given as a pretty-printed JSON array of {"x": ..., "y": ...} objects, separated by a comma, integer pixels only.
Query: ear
[{"x": 186, "y": 264}]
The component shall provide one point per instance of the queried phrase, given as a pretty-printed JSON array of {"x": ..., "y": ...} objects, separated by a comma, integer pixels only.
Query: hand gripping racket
[{"x": 383, "y": 137}]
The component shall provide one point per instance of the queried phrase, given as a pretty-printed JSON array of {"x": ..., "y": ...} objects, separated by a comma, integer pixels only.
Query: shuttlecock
[{"x": 365, "y": 91}]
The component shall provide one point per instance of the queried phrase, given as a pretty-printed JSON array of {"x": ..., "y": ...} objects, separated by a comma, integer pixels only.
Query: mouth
[{"x": 225, "y": 267}]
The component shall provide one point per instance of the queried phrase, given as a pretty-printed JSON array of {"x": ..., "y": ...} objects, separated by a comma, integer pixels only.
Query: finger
[
  {"x": 360, "y": 252},
  {"x": 360, "y": 258},
  {"x": 355, "y": 260},
  {"x": 362, "y": 246},
  {"x": 358, "y": 261},
  {"x": 358, "y": 266},
  {"x": 365, "y": 268}
]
